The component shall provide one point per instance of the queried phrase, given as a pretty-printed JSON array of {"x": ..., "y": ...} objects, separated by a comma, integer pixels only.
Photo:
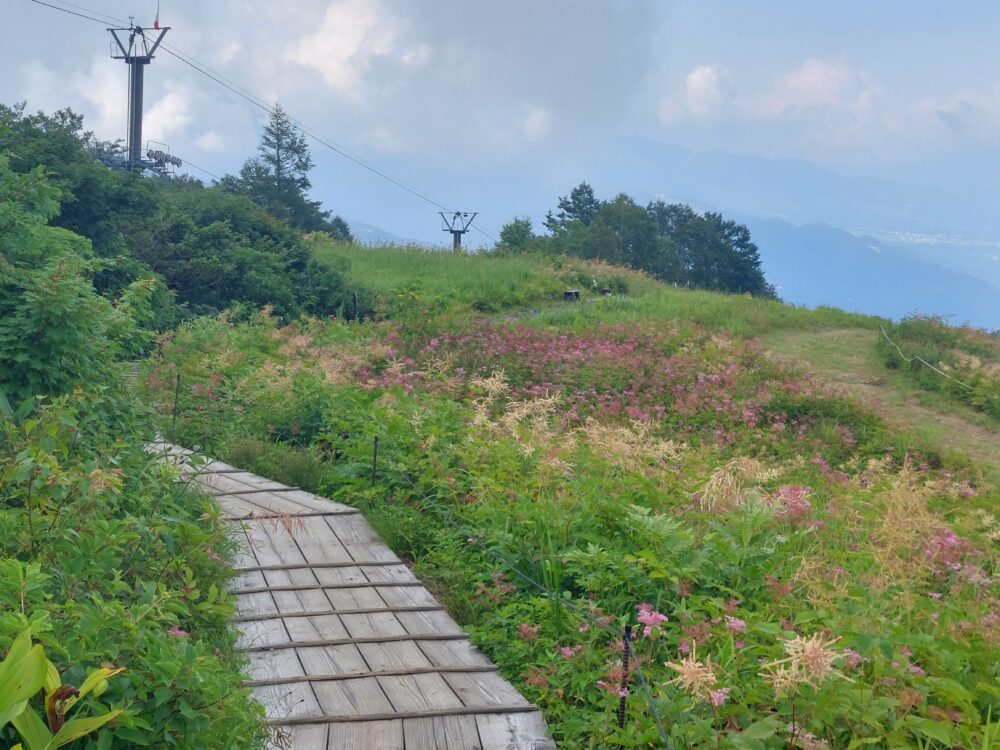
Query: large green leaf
[
  {"x": 74, "y": 729},
  {"x": 22, "y": 674},
  {"x": 32, "y": 730}
]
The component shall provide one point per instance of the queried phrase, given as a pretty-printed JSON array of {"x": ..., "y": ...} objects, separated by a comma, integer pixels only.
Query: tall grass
[
  {"x": 736, "y": 314},
  {"x": 490, "y": 283}
]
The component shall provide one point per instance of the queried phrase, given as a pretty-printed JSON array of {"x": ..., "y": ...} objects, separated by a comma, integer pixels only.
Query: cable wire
[
  {"x": 71, "y": 12},
  {"x": 921, "y": 360}
]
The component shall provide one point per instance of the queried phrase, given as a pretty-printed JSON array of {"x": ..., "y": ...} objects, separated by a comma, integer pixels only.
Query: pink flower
[
  {"x": 735, "y": 625},
  {"x": 649, "y": 617},
  {"x": 583, "y": 627},
  {"x": 568, "y": 652},
  {"x": 684, "y": 649},
  {"x": 528, "y": 633},
  {"x": 176, "y": 632},
  {"x": 718, "y": 697},
  {"x": 852, "y": 659},
  {"x": 623, "y": 692}
]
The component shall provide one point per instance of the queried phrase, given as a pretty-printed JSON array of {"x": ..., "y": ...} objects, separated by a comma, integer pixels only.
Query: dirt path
[{"x": 847, "y": 359}]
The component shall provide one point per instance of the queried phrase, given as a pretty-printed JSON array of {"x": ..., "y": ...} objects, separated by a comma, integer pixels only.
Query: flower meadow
[{"x": 796, "y": 573}]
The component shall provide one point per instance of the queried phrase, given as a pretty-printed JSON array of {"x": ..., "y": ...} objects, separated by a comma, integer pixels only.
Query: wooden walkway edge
[{"x": 347, "y": 649}]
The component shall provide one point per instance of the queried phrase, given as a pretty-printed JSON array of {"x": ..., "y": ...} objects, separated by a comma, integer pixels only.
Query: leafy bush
[
  {"x": 212, "y": 249},
  {"x": 103, "y": 554}
]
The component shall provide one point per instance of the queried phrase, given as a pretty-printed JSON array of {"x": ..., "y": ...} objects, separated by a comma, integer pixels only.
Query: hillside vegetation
[
  {"x": 105, "y": 561},
  {"x": 801, "y": 571}
]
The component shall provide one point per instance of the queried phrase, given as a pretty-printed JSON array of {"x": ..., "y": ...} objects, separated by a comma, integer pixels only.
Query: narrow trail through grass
[{"x": 846, "y": 359}]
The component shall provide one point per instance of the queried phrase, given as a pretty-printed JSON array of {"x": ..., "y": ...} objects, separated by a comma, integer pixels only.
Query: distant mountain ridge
[{"x": 817, "y": 264}]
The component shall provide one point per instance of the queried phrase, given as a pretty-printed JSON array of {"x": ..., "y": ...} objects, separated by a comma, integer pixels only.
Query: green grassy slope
[{"x": 807, "y": 566}]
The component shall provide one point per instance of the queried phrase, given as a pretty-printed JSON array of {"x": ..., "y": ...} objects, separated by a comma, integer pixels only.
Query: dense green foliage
[
  {"x": 961, "y": 362},
  {"x": 672, "y": 242},
  {"x": 213, "y": 249},
  {"x": 802, "y": 576},
  {"x": 103, "y": 554}
]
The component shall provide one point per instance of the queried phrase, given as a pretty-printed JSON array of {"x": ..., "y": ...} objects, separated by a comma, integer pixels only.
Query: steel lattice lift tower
[{"x": 137, "y": 53}]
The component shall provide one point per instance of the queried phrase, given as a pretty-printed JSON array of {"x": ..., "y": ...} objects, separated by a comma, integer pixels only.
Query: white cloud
[
  {"x": 352, "y": 34},
  {"x": 229, "y": 51},
  {"x": 169, "y": 116},
  {"x": 535, "y": 124},
  {"x": 816, "y": 84},
  {"x": 703, "y": 90},
  {"x": 707, "y": 88},
  {"x": 210, "y": 142},
  {"x": 975, "y": 114},
  {"x": 101, "y": 92}
]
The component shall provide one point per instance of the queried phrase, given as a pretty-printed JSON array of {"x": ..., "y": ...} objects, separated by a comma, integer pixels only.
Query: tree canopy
[
  {"x": 670, "y": 241},
  {"x": 278, "y": 179},
  {"x": 212, "y": 248}
]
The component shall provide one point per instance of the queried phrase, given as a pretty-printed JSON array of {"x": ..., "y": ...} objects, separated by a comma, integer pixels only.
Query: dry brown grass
[{"x": 736, "y": 485}]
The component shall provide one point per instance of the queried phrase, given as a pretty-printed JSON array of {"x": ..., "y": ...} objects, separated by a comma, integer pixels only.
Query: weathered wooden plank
[
  {"x": 419, "y": 692},
  {"x": 393, "y": 655},
  {"x": 305, "y": 736},
  {"x": 272, "y": 665},
  {"x": 276, "y": 489},
  {"x": 321, "y": 565},
  {"x": 442, "y": 653},
  {"x": 260, "y": 634},
  {"x": 428, "y": 622},
  {"x": 273, "y": 587},
  {"x": 317, "y": 542},
  {"x": 442, "y": 733},
  {"x": 359, "y": 697},
  {"x": 288, "y": 702},
  {"x": 241, "y": 487},
  {"x": 321, "y": 628},
  {"x": 333, "y": 660},
  {"x": 369, "y": 735},
  {"x": 406, "y": 595},
  {"x": 374, "y": 625},
  {"x": 256, "y": 606},
  {"x": 360, "y": 675},
  {"x": 513, "y": 731},
  {"x": 273, "y": 542},
  {"x": 359, "y": 538},
  {"x": 483, "y": 689},
  {"x": 463, "y": 711},
  {"x": 369, "y": 610},
  {"x": 254, "y": 514},
  {"x": 343, "y": 641}
]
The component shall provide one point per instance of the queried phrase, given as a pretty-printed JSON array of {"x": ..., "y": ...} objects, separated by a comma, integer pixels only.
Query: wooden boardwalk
[{"x": 347, "y": 649}]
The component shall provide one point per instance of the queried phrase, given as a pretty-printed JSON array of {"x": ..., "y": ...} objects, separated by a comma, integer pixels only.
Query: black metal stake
[
  {"x": 356, "y": 318},
  {"x": 177, "y": 393},
  {"x": 374, "y": 459},
  {"x": 623, "y": 693}
]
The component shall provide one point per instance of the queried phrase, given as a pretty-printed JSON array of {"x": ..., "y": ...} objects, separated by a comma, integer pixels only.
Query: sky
[{"x": 500, "y": 106}]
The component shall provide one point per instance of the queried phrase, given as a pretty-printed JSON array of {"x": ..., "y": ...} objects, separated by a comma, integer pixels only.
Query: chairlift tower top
[
  {"x": 136, "y": 48},
  {"x": 457, "y": 223}
]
